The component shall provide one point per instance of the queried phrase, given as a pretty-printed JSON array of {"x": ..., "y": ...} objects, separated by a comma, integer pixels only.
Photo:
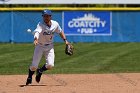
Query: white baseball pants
[{"x": 47, "y": 51}]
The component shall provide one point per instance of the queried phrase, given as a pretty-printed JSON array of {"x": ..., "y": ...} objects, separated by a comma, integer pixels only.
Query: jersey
[{"x": 45, "y": 34}]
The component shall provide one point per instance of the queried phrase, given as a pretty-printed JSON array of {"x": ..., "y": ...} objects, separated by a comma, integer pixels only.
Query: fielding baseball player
[{"x": 43, "y": 41}]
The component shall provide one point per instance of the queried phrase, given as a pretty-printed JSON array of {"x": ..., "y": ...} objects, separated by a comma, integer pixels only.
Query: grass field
[{"x": 87, "y": 58}]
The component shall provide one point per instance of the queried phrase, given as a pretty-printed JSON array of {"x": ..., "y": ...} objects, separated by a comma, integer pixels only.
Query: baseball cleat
[
  {"x": 38, "y": 75},
  {"x": 29, "y": 81}
]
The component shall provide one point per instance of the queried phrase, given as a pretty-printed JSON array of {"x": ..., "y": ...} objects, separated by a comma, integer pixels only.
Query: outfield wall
[{"x": 122, "y": 27}]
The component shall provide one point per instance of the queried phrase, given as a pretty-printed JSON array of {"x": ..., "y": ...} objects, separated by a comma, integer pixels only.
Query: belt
[{"x": 45, "y": 44}]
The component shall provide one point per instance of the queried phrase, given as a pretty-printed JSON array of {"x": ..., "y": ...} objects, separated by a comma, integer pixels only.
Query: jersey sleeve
[
  {"x": 37, "y": 31},
  {"x": 58, "y": 29}
]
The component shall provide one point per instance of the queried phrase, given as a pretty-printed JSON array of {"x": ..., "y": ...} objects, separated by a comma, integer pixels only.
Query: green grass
[{"x": 87, "y": 58}]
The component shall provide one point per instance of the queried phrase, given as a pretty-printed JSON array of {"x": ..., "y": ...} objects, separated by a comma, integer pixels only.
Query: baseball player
[{"x": 43, "y": 41}]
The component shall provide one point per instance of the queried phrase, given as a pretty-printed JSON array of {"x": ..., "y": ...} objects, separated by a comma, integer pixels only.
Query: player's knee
[{"x": 33, "y": 68}]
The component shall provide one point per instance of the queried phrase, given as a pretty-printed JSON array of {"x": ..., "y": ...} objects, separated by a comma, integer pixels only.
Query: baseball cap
[{"x": 46, "y": 11}]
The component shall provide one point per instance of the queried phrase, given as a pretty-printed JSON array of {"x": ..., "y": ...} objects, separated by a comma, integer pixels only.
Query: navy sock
[
  {"x": 30, "y": 73},
  {"x": 43, "y": 68}
]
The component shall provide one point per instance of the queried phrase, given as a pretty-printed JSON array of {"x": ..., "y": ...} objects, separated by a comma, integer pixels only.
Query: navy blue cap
[{"x": 46, "y": 11}]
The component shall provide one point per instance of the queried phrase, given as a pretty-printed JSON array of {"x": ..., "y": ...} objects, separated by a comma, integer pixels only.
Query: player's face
[{"x": 46, "y": 18}]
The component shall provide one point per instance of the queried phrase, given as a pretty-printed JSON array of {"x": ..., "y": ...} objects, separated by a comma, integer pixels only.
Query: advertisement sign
[{"x": 87, "y": 23}]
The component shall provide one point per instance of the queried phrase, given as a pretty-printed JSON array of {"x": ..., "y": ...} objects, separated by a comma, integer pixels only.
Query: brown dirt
[{"x": 73, "y": 83}]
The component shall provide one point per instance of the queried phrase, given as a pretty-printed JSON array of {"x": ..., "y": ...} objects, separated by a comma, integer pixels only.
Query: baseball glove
[{"x": 69, "y": 49}]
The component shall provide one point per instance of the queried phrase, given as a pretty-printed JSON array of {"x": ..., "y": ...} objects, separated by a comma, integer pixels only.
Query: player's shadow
[
  {"x": 38, "y": 85},
  {"x": 30, "y": 85}
]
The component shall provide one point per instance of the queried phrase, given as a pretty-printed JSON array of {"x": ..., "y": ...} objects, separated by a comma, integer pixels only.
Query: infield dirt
[{"x": 73, "y": 83}]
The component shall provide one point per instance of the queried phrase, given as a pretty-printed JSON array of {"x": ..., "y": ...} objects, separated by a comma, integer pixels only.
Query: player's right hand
[{"x": 35, "y": 42}]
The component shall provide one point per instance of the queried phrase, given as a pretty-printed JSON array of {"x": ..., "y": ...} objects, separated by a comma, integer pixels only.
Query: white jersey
[{"x": 45, "y": 34}]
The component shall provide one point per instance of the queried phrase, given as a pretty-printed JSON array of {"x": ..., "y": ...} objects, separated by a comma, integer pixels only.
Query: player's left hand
[
  {"x": 66, "y": 42},
  {"x": 69, "y": 49}
]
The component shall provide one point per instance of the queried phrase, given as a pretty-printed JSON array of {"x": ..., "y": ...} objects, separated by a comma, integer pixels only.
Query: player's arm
[
  {"x": 36, "y": 33},
  {"x": 62, "y": 35}
]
